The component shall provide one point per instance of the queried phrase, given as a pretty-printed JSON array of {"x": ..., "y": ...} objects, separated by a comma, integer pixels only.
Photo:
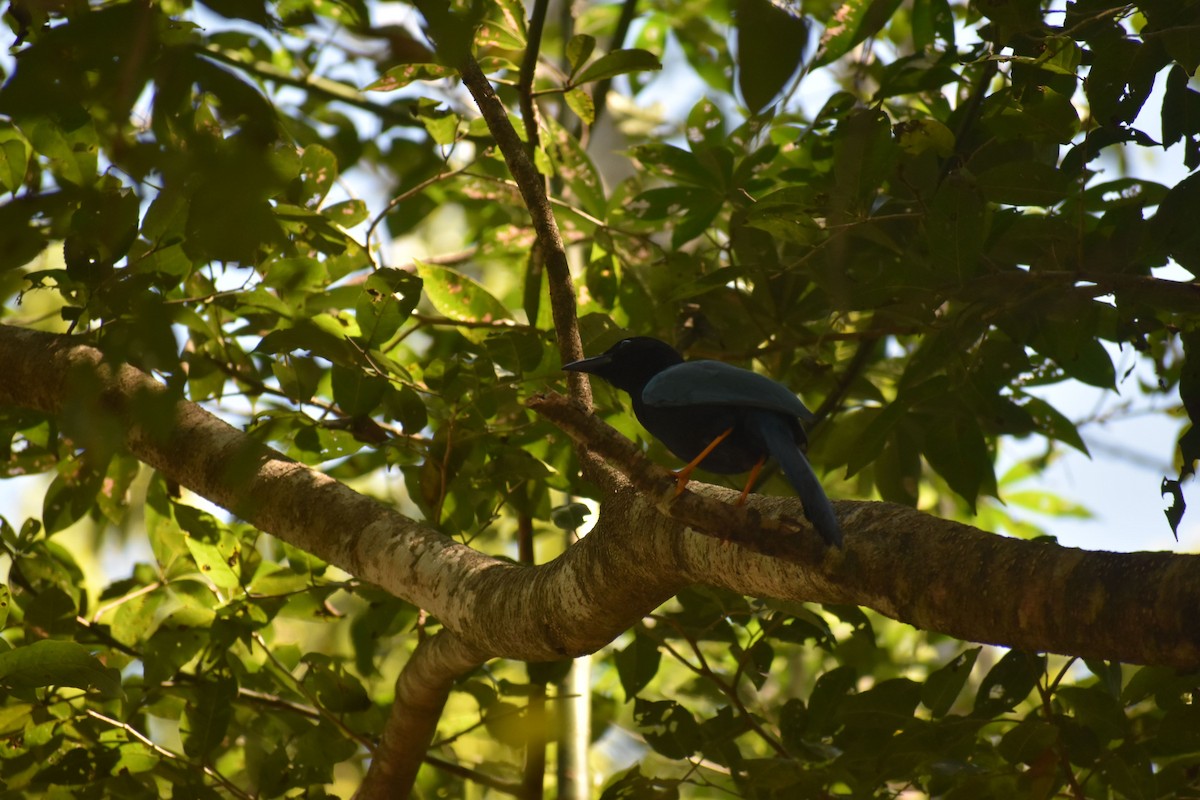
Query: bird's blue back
[{"x": 703, "y": 383}]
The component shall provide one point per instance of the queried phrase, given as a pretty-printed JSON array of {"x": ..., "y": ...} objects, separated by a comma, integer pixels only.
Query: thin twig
[
  {"x": 330, "y": 89},
  {"x": 600, "y": 92},
  {"x": 529, "y": 111},
  {"x": 412, "y": 192},
  {"x": 533, "y": 191},
  {"x": 228, "y": 785}
]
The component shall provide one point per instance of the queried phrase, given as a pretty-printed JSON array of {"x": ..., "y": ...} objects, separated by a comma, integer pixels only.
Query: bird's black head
[{"x": 630, "y": 363}]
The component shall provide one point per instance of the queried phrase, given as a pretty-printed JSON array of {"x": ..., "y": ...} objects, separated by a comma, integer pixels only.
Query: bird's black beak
[{"x": 593, "y": 365}]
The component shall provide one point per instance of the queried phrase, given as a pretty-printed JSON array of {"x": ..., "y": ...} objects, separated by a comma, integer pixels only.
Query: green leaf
[
  {"x": 337, "y": 690},
  {"x": 667, "y": 727},
  {"x": 864, "y": 153},
  {"x": 676, "y": 164},
  {"x": 1181, "y": 116},
  {"x": 574, "y": 167},
  {"x": 618, "y": 62},
  {"x": 1025, "y": 183},
  {"x": 942, "y": 688},
  {"x": 956, "y": 226},
  {"x": 637, "y": 664},
  {"x": 400, "y": 76},
  {"x": 932, "y": 18},
  {"x": 850, "y": 24},
  {"x": 356, "y": 392},
  {"x": 20, "y": 239},
  {"x": 102, "y": 230},
  {"x": 72, "y": 148},
  {"x": 1130, "y": 773},
  {"x": 569, "y": 517},
  {"x": 215, "y": 562},
  {"x": 888, "y": 705},
  {"x": 135, "y": 759},
  {"x": 1051, "y": 422},
  {"x": 1060, "y": 55},
  {"x": 386, "y": 302},
  {"x": 1097, "y": 710},
  {"x": 1008, "y": 683},
  {"x": 956, "y": 449},
  {"x": 50, "y": 662},
  {"x": 70, "y": 497},
  {"x": 207, "y": 717},
  {"x": 324, "y": 335},
  {"x": 770, "y": 47},
  {"x": 579, "y": 50},
  {"x": 15, "y": 151},
  {"x": 926, "y": 134},
  {"x": 1073, "y": 348},
  {"x": 1028, "y": 741},
  {"x": 167, "y": 540},
  {"x": 580, "y": 101},
  {"x": 318, "y": 173},
  {"x": 441, "y": 124},
  {"x": 1174, "y": 225},
  {"x": 346, "y": 214},
  {"x": 295, "y": 275},
  {"x": 137, "y": 618},
  {"x": 459, "y": 297},
  {"x": 897, "y": 470},
  {"x": 831, "y": 691}
]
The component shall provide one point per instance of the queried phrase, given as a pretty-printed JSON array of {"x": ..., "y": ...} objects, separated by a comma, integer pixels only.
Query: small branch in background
[
  {"x": 529, "y": 112},
  {"x": 170, "y": 755},
  {"x": 862, "y": 356},
  {"x": 600, "y": 93},
  {"x": 480, "y": 777},
  {"x": 322, "y": 87},
  {"x": 406, "y": 195}
]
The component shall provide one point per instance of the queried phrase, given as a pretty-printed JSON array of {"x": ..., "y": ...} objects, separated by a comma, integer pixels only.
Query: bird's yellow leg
[
  {"x": 683, "y": 475},
  {"x": 750, "y": 481}
]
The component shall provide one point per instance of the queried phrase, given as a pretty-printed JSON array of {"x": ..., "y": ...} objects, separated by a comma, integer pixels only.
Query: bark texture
[
  {"x": 421, "y": 692},
  {"x": 930, "y": 572}
]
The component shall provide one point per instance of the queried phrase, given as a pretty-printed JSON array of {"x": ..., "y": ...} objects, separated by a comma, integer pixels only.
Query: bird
[{"x": 714, "y": 415}]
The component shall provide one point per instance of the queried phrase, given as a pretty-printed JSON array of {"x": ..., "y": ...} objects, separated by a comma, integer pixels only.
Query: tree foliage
[{"x": 295, "y": 215}]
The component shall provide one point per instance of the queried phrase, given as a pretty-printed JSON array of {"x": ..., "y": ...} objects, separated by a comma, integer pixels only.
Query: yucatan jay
[{"x": 713, "y": 415}]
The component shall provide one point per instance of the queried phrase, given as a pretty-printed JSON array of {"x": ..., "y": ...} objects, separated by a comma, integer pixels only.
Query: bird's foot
[{"x": 681, "y": 480}]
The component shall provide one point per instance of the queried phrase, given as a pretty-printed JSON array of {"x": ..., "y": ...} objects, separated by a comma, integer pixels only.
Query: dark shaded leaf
[
  {"x": 637, "y": 664},
  {"x": 943, "y": 687},
  {"x": 1008, "y": 683},
  {"x": 770, "y": 46},
  {"x": 50, "y": 662}
]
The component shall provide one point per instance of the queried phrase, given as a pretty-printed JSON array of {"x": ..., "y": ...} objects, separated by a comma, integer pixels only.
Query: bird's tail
[{"x": 782, "y": 444}]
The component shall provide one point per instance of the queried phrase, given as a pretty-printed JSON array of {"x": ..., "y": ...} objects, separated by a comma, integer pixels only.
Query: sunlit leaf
[
  {"x": 458, "y": 296},
  {"x": 618, "y": 62}
]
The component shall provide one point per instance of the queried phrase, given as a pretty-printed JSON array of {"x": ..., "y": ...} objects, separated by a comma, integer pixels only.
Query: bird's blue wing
[{"x": 705, "y": 382}]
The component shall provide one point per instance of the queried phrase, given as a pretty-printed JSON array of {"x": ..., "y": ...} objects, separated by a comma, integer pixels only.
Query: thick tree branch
[{"x": 930, "y": 572}]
